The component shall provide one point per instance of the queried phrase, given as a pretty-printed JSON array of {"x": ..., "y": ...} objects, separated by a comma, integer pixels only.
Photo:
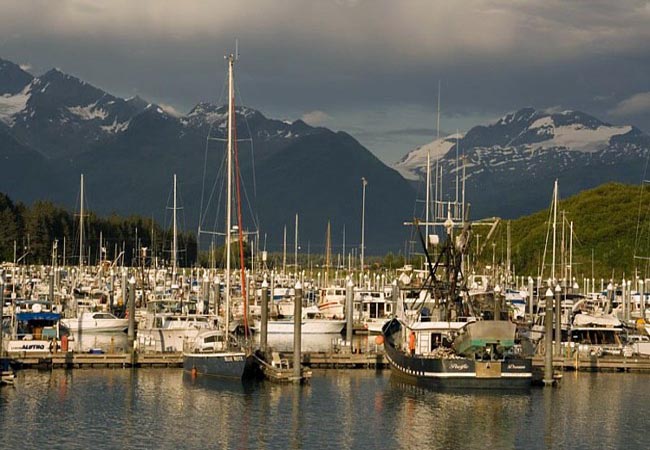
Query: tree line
[{"x": 34, "y": 234}]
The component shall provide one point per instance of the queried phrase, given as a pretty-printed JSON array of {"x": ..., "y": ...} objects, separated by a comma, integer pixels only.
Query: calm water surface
[{"x": 163, "y": 408}]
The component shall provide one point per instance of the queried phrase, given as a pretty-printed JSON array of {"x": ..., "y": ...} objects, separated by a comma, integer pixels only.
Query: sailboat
[{"x": 216, "y": 352}]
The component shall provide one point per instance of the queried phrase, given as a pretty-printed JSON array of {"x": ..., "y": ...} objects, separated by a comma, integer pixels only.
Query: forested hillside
[{"x": 611, "y": 224}]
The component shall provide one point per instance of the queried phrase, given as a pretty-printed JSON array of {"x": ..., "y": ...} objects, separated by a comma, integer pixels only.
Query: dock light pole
[
  {"x": 548, "y": 339},
  {"x": 364, "y": 182}
]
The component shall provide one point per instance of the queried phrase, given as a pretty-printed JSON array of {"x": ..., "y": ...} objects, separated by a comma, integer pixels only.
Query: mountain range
[
  {"x": 55, "y": 127},
  {"x": 510, "y": 165}
]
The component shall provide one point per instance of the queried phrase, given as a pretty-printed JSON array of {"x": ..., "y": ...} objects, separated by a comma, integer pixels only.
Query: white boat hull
[
  {"x": 308, "y": 326},
  {"x": 96, "y": 326},
  {"x": 18, "y": 347}
]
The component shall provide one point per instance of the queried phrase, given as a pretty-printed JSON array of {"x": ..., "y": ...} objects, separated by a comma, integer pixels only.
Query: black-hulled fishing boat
[{"x": 445, "y": 338}]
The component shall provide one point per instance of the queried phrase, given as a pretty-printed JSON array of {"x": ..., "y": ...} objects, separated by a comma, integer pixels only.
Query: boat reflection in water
[
  {"x": 349, "y": 409},
  {"x": 235, "y": 386},
  {"x": 427, "y": 418}
]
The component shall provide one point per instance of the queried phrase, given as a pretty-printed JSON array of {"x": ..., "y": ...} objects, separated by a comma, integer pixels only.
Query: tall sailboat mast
[
  {"x": 81, "y": 224},
  {"x": 437, "y": 212},
  {"x": 554, "y": 230},
  {"x": 231, "y": 105},
  {"x": 174, "y": 238},
  {"x": 328, "y": 252},
  {"x": 427, "y": 196}
]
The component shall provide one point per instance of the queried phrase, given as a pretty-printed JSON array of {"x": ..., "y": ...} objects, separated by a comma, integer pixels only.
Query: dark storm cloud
[{"x": 367, "y": 67}]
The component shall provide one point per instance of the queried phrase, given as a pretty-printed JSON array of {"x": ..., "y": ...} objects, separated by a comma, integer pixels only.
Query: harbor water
[{"x": 167, "y": 409}]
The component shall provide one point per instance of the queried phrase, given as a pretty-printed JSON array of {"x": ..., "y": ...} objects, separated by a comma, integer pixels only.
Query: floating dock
[
  {"x": 73, "y": 360},
  {"x": 345, "y": 360},
  {"x": 597, "y": 364},
  {"x": 314, "y": 360}
]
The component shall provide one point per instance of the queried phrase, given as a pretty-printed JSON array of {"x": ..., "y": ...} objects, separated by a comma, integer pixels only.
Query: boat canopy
[{"x": 27, "y": 316}]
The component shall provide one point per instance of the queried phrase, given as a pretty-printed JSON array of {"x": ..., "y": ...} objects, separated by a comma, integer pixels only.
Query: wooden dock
[
  {"x": 597, "y": 364},
  {"x": 320, "y": 360},
  {"x": 72, "y": 360},
  {"x": 345, "y": 360}
]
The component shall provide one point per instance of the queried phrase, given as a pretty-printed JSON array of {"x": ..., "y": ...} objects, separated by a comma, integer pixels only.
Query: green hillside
[{"x": 606, "y": 223}]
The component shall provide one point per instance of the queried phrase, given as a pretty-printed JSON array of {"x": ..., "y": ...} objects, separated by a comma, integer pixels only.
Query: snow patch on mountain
[
  {"x": 544, "y": 122},
  {"x": 412, "y": 165},
  {"x": 11, "y": 105},
  {"x": 577, "y": 137},
  {"x": 88, "y": 112},
  {"x": 116, "y": 127},
  {"x": 206, "y": 113}
]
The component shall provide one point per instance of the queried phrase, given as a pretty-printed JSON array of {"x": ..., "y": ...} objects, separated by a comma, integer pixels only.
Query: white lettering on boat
[
  {"x": 456, "y": 366},
  {"x": 512, "y": 366}
]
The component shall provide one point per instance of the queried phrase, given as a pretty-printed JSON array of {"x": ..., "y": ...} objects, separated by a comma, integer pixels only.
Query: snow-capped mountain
[
  {"x": 55, "y": 126},
  {"x": 504, "y": 158},
  {"x": 205, "y": 115},
  {"x": 60, "y": 115}
]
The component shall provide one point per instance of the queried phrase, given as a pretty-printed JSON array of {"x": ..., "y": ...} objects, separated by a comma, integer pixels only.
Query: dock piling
[
  {"x": 297, "y": 332},
  {"x": 265, "y": 316},
  {"x": 131, "y": 334},
  {"x": 349, "y": 311},
  {"x": 548, "y": 339},
  {"x": 531, "y": 293}
]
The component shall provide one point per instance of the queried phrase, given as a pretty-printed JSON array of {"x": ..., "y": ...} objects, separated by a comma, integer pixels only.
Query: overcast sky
[{"x": 368, "y": 67}]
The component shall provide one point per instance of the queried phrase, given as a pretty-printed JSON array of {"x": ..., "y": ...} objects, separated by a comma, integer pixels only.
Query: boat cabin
[
  {"x": 429, "y": 336},
  {"x": 598, "y": 340},
  {"x": 35, "y": 328}
]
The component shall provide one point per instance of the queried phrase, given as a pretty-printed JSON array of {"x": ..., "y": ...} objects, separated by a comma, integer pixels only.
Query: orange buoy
[{"x": 379, "y": 340}]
